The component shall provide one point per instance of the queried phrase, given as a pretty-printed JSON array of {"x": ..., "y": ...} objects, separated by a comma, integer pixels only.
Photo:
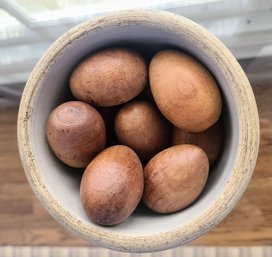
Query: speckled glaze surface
[{"x": 57, "y": 186}]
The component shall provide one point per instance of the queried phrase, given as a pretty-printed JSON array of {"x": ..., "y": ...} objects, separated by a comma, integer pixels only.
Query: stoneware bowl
[{"x": 57, "y": 186}]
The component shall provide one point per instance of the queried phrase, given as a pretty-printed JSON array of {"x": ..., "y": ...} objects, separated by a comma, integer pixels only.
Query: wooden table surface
[{"x": 23, "y": 221}]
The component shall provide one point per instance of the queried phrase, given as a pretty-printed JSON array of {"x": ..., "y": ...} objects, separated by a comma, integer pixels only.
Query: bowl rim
[{"x": 244, "y": 162}]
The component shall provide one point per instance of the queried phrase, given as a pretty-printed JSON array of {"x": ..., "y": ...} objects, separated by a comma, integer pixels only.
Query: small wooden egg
[
  {"x": 174, "y": 178},
  {"x": 112, "y": 185},
  {"x": 184, "y": 91},
  {"x": 76, "y": 133},
  {"x": 109, "y": 77}
]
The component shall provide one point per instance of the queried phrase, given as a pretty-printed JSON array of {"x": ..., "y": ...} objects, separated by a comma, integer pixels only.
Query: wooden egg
[
  {"x": 210, "y": 140},
  {"x": 140, "y": 126},
  {"x": 109, "y": 77},
  {"x": 174, "y": 178},
  {"x": 112, "y": 185},
  {"x": 184, "y": 90},
  {"x": 76, "y": 133}
]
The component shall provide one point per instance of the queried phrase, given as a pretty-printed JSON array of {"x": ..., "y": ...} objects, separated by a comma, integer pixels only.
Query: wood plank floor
[{"x": 24, "y": 222}]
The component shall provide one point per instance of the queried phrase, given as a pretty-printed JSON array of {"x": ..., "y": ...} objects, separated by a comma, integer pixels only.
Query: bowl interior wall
[{"x": 63, "y": 182}]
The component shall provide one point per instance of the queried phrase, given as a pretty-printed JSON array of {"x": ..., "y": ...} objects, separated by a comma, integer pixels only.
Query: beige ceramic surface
[{"x": 57, "y": 186}]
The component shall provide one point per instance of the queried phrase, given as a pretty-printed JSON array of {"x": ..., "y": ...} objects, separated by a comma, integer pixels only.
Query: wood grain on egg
[
  {"x": 76, "y": 133},
  {"x": 184, "y": 90},
  {"x": 140, "y": 126},
  {"x": 112, "y": 185},
  {"x": 109, "y": 77},
  {"x": 175, "y": 177}
]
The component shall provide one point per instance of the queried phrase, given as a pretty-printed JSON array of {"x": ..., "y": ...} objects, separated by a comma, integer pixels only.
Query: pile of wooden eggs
[{"x": 141, "y": 131}]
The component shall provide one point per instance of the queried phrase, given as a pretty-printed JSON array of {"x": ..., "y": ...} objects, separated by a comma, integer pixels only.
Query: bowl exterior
[{"x": 248, "y": 133}]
